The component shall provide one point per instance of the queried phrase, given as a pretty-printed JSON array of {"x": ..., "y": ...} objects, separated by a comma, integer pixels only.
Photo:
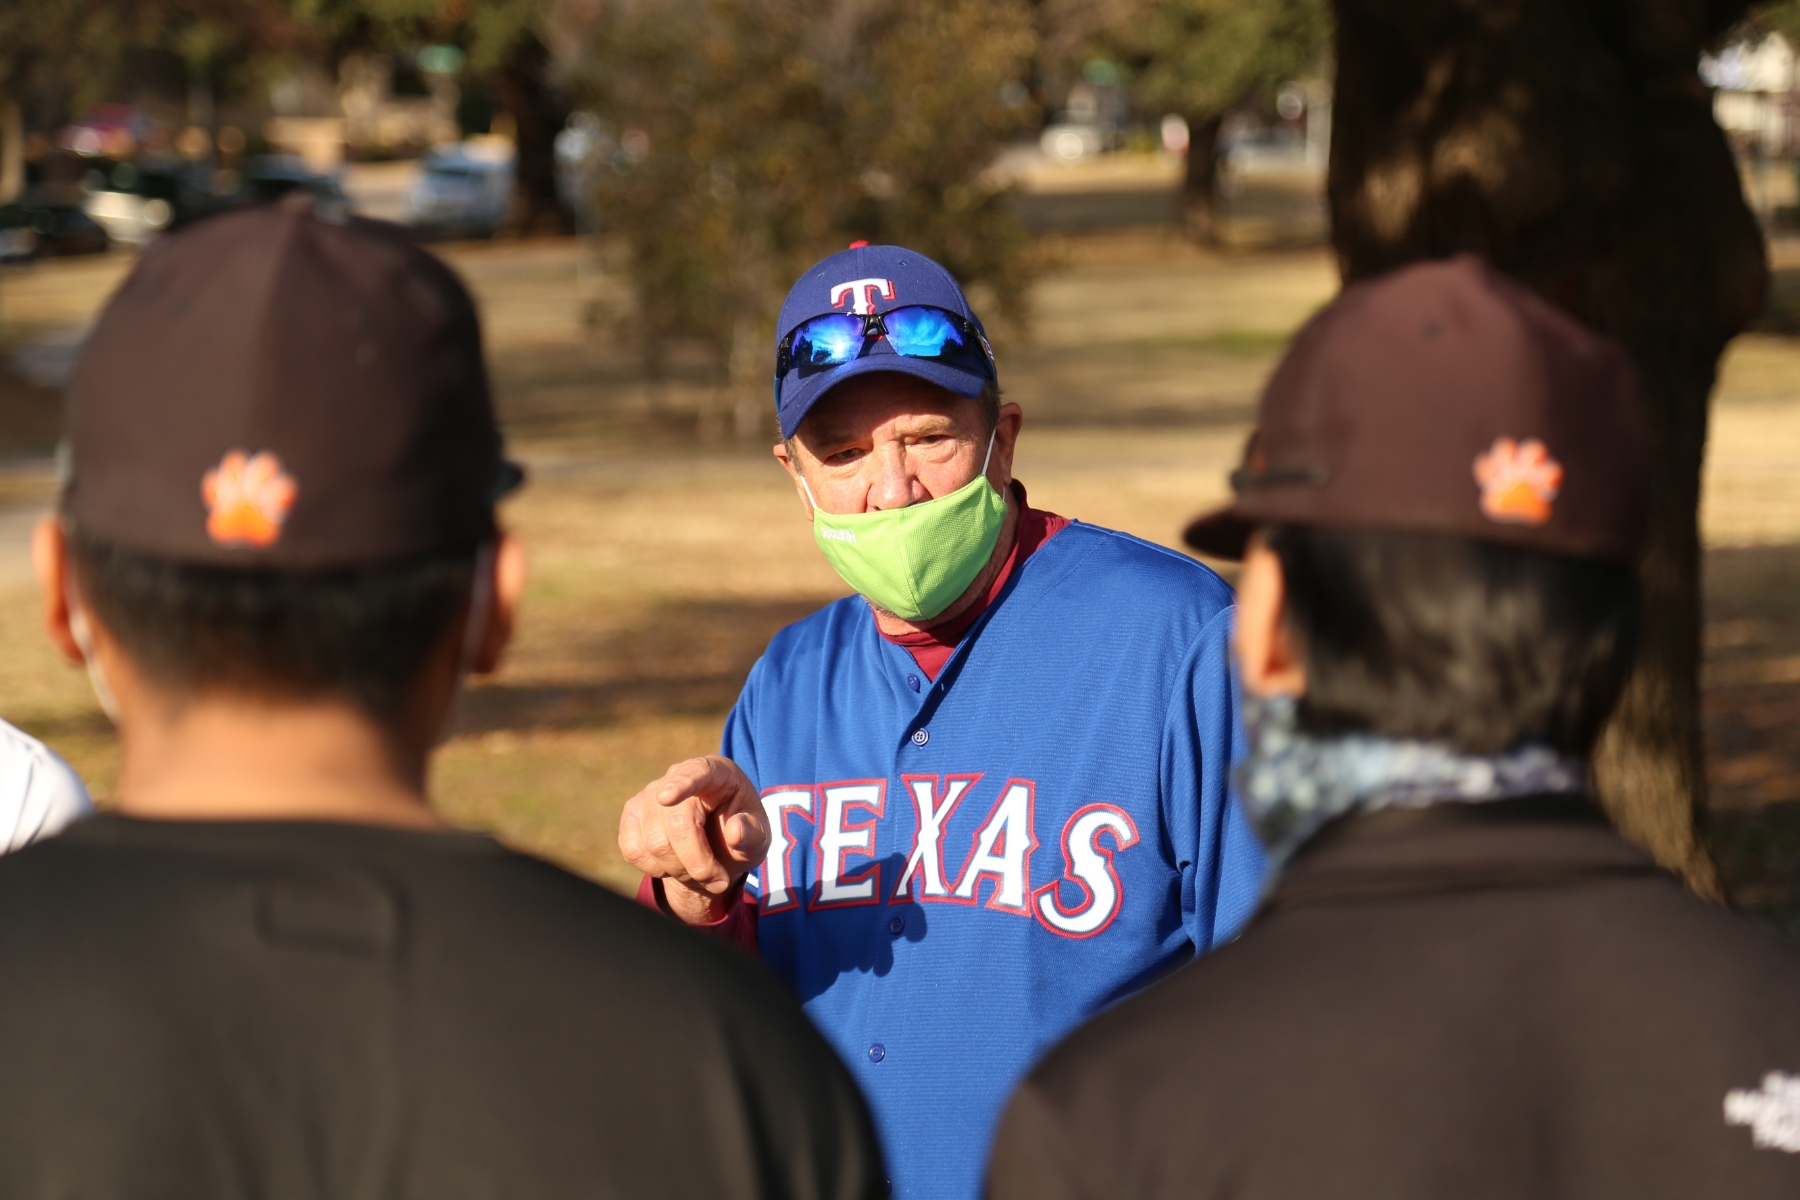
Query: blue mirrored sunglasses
[{"x": 913, "y": 330}]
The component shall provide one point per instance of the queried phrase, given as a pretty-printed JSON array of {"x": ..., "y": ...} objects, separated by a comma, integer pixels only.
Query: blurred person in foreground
[
  {"x": 39, "y": 794},
  {"x": 274, "y": 971},
  {"x": 1463, "y": 983},
  {"x": 988, "y": 794}
]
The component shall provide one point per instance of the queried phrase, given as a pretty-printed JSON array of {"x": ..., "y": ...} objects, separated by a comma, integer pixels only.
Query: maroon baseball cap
[
  {"x": 285, "y": 387},
  {"x": 1445, "y": 398}
]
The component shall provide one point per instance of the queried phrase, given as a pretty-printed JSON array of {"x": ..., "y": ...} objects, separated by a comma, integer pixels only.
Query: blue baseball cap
[{"x": 865, "y": 279}]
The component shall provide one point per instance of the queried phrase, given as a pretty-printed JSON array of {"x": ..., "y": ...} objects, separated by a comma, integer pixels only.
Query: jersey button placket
[{"x": 897, "y": 923}]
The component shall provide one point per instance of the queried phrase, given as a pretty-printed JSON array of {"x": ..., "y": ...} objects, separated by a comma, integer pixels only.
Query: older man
[{"x": 988, "y": 795}]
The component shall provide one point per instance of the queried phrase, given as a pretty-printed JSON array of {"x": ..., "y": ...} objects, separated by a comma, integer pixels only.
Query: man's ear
[
  {"x": 1269, "y": 662},
  {"x": 785, "y": 457},
  {"x": 508, "y": 589},
  {"x": 50, "y": 563},
  {"x": 1006, "y": 440}
]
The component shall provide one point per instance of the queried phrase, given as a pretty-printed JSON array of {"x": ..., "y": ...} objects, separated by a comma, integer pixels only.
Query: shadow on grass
[
  {"x": 1759, "y": 852},
  {"x": 683, "y": 658},
  {"x": 1751, "y": 703},
  {"x": 1781, "y": 311}
]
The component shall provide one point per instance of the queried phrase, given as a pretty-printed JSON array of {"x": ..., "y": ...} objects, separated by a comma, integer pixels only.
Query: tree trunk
[
  {"x": 1200, "y": 180},
  {"x": 524, "y": 91},
  {"x": 12, "y": 151},
  {"x": 1572, "y": 144}
]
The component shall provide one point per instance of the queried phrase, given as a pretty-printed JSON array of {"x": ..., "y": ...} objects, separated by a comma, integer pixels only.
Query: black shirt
[
  {"x": 292, "y": 1009},
  {"x": 1496, "y": 1000}
]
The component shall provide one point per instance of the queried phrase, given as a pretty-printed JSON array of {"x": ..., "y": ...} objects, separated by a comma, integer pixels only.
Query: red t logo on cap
[
  {"x": 863, "y": 294},
  {"x": 247, "y": 499},
  {"x": 1519, "y": 481}
]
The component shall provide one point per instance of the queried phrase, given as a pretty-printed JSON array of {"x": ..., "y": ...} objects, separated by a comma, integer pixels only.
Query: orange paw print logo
[
  {"x": 247, "y": 499},
  {"x": 1519, "y": 481}
]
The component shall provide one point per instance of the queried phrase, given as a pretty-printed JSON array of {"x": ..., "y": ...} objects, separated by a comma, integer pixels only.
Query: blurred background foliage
[
  {"x": 1200, "y": 59},
  {"x": 744, "y": 139},
  {"x": 746, "y": 136},
  {"x": 59, "y": 57}
]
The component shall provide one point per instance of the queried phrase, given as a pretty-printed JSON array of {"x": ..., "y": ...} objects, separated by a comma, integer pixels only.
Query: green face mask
[{"x": 915, "y": 561}]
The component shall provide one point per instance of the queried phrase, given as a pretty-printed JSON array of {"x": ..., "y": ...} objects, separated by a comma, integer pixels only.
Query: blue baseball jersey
[{"x": 964, "y": 870}]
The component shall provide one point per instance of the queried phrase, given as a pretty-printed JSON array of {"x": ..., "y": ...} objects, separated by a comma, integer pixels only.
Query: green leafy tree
[
  {"x": 754, "y": 136},
  {"x": 925, "y": 126},
  {"x": 722, "y": 173},
  {"x": 1202, "y": 58},
  {"x": 60, "y": 56}
]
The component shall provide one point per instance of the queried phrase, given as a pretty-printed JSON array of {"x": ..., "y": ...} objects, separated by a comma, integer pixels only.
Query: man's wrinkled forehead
[{"x": 858, "y": 407}]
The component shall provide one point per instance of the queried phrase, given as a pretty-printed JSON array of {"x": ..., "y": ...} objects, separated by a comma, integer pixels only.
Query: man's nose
[{"x": 893, "y": 485}]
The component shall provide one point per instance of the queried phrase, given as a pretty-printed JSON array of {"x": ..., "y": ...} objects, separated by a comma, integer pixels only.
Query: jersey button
[
  {"x": 920, "y": 737},
  {"x": 912, "y": 681},
  {"x": 877, "y": 1052},
  {"x": 897, "y": 925}
]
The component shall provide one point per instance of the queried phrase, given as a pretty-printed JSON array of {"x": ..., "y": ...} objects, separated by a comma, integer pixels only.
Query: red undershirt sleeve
[{"x": 737, "y": 927}]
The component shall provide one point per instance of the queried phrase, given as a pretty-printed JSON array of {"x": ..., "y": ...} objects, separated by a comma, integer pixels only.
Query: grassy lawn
[{"x": 665, "y": 552}]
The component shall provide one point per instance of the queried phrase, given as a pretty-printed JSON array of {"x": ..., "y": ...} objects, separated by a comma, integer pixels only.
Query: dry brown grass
[{"x": 661, "y": 563}]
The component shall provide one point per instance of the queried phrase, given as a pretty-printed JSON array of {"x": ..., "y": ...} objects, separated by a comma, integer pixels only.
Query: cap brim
[
  {"x": 1222, "y": 534},
  {"x": 799, "y": 395},
  {"x": 508, "y": 478}
]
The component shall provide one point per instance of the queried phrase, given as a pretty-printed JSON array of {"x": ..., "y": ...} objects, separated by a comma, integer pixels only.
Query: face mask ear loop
[
  {"x": 481, "y": 603},
  {"x": 990, "y": 453},
  {"x": 83, "y": 633},
  {"x": 809, "y": 496}
]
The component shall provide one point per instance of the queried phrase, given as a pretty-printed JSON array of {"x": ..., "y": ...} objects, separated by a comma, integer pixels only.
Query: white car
[
  {"x": 461, "y": 194},
  {"x": 1069, "y": 141},
  {"x": 135, "y": 203}
]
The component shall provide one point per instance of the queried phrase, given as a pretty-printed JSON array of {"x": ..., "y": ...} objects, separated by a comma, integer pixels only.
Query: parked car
[
  {"x": 137, "y": 201},
  {"x": 1247, "y": 150},
  {"x": 31, "y": 230},
  {"x": 461, "y": 194},
  {"x": 269, "y": 177},
  {"x": 1069, "y": 141}
]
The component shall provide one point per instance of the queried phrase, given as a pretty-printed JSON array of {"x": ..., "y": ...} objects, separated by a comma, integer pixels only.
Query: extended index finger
[{"x": 712, "y": 780}]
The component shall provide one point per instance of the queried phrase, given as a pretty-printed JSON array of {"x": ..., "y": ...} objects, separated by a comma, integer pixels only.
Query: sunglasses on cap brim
[{"x": 911, "y": 331}]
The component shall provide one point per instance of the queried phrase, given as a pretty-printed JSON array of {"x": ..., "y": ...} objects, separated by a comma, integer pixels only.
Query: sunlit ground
[{"x": 662, "y": 562}]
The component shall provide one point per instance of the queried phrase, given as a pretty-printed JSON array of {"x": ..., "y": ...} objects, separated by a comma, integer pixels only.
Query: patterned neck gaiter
[{"x": 1293, "y": 783}]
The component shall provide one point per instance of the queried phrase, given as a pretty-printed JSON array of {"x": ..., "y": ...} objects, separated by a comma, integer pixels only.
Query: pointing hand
[{"x": 700, "y": 828}]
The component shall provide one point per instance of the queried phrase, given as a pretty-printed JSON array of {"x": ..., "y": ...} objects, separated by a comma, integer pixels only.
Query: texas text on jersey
[{"x": 997, "y": 864}]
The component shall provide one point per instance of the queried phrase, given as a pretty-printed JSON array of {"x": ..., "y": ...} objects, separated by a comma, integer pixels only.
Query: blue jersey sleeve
[
  {"x": 737, "y": 741},
  {"x": 1221, "y": 861}
]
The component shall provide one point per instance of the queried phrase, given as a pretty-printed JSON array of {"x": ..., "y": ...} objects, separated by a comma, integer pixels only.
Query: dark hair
[
  {"x": 360, "y": 635},
  {"x": 1434, "y": 637}
]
